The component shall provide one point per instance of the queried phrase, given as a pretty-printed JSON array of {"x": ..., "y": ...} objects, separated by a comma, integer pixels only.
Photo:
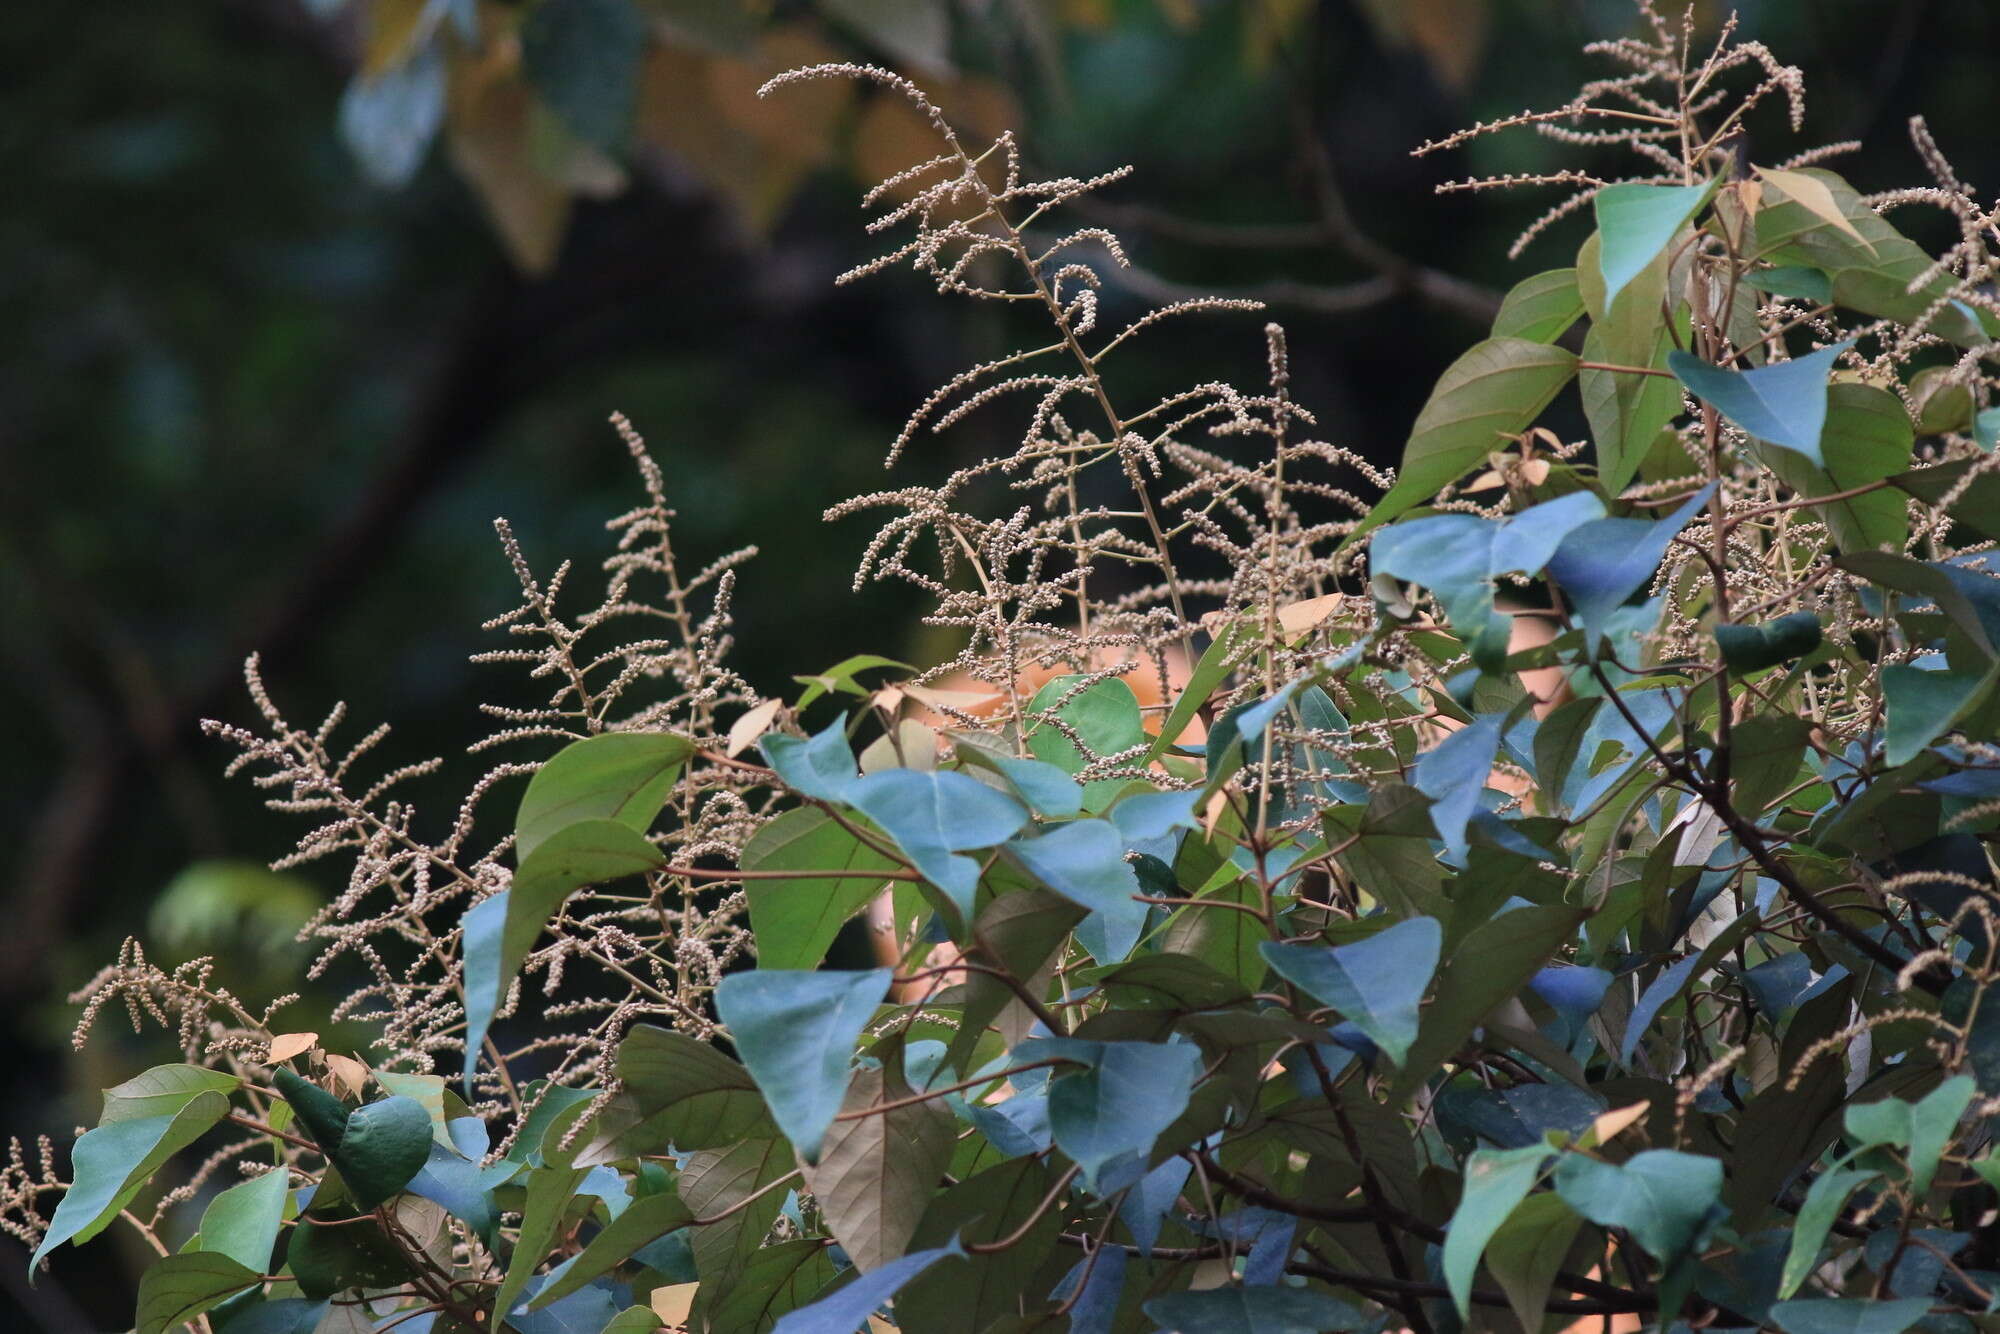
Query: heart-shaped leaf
[{"x": 386, "y": 1143}]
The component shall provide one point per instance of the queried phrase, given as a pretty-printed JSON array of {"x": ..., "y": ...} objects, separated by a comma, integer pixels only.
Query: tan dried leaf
[
  {"x": 750, "y": 726},
  {"x": 1811, "y": 195},
  {"x": 287, "y": 1045},
  {"x": 350, "y": 1073}
]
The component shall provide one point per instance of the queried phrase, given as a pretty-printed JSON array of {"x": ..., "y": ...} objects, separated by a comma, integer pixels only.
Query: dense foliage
[{"x": 1559, "y": 888}]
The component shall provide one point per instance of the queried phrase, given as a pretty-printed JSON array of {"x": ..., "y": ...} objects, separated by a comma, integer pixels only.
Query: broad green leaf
[
  {"x": 162, "y": 1091},
  {"x": 1528, "y": 1250},
  {"x": 1377, "y": 983},
  {"x": 1971, "y": 601},
  {"x": 644, "y": 1221},
  {"x": 1493, "y": 392},
  {"x": 1789, "y": 233},
  {"x": 1540, "y": 308},
  {"x": 332, "y": 1255},
  {"x": 1767, "y": 752},
  {"x": 177, "y": 1288},
  {"x": 1496, "y": 1180},
  {"x": 820, "y": 766},
  {"x": 1923, "y": 1128},
  {"x": 678, "y": 1092},
  {"x": 1752, "y": 648},
  {"x": 1849, "y": 1315},
  {"x": 1602, "y": 563},
  {"x": 1234, "y": 1310},
  {"x": 1816, "y": 1217},
  {"x": 1046, "y": 789},
  {"x": 721, "y": 1181},
  {"x": 1665, "y": 1198},
  {"x": 634, "y": 1320},
  {"x": 480, "y": 933},
  {"x": 585, "y": 58},
  {"x": 242, "y": 1222},
  {"x": 1453, "y": 775},
  {"x": 621, "y": 776},
  {"x": 323, "y": 1115},
  {"x": 110, "y": 1164},
  {"x": 1635, "y": 224},
  {"x": 1783, "y": 404},
  {"x": 1485, "y": 971},
  {"x": 1105, "y": 714},
  {"x": 1867, "y": 438},
  {"x": 1793, "y": 281},
  {"x": 849, "y": 1307},
  {"x": 588, "y": 852},
  {"x": 841, "y": 676},
  {"x": 1458, "y": 556},
  {"x": 876, "y": 1174},
  {"x": 933, "y": 816},
  {"x": 1019, "y": 932},
  {"x": 1084, "y": 861},
  {"x": 1117, "y": 1105},
  {"x": 775, "y": 1281},
  {"x": 550, "y": 1190},
  {"x": 998, "y": 1202},
  {"x": 796, "y": 1032},
  {"x": 795, "y": 921},
  {"x": 426, "y": 1090},
  {"x": 1628, "y": 412},
  {"x": 1924, "y": 705},
  {"x": 1170, "y": 982},
  {"x": 1559, "y": 741},
  {"x": 385, "y": 1144}
]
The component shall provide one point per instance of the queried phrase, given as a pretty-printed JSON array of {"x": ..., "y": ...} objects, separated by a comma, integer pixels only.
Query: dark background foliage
[{"x": 250, "y": 400}]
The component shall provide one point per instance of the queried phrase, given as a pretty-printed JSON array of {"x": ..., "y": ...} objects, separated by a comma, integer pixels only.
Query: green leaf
[
  {"x": 1234, "y": 1310},
  {"x": 385, "y": 1144},
  {"x": 177, "y": 1288},
  {"x": 585, "y": 58},
  {"x": 633, "y": 1320},
  {"x": 1458, "y": 556},
  {"x": 1453, "y": 775},
  {"x": 1867, "y": 438},
  {"x": 1793, "y": 281},
  {"x": 1626, "y": 412},
  {"x": 323, "y": 1115},
  {"x": 243, "y": 1221},
  {"x": 1816, "y": 1217},
  {"x": 841, "y": 677},
  {"x": 1528, "y": 1250},
  {"x": 1018, "y": 932},
  {"x": 678, "y": 1092},
  {"x": 876, "y": 1174},
  {"x": 1602, "y": 563},
  {"x": 1666, "y": 1199},
  {"x": 1377, "y": 983},
  {"x": 773, "y": 1282},
  {"x": 1116, "y": 1107},
  {"x": 820, "y": 766},
  {"x": 796, "y": 1032},
  {"x": 1636, "y": 222},
  {"x": 162, "y": 1091},
  {"x": 1084, "y": 861},
  {"x": 1493, "y": 392},
  {"x": 1849, "y": 1315},
  {"x": 643, "y": 1222},
  {"x": 934, "y": 815},
  {"x": 1046, "y": 789},
  {"x": 1485, "y": 971},
  {"x": 1923, "y": 1128},
  {"x": 1170, "y": 982},
  {"x": 110, "y": 1164},
  {"x": 849, "y": 1307},
  {"x": 1971, "y": 601},
  {"x": 1752, "y": 648},
  {"x": 332, "y": 1258},
  {"x": 621, "y": 776},
  {"x": 721, "y": 1181},
  {"x": 427, "y": 1091},
  {"x": 1923, "y": 705},
  {"x": 1105, "y": 714},
  {"x": 1496, "y": 1180},
  {"x": 481, "y": 931},
  {"x": 999, "y": 1202},
  {"x": 1540, "y": 308},
  {"x": 549, "y": 1190},
  {"x": 1783, "y": 404},
  {"x": 795, "y": 921}
]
